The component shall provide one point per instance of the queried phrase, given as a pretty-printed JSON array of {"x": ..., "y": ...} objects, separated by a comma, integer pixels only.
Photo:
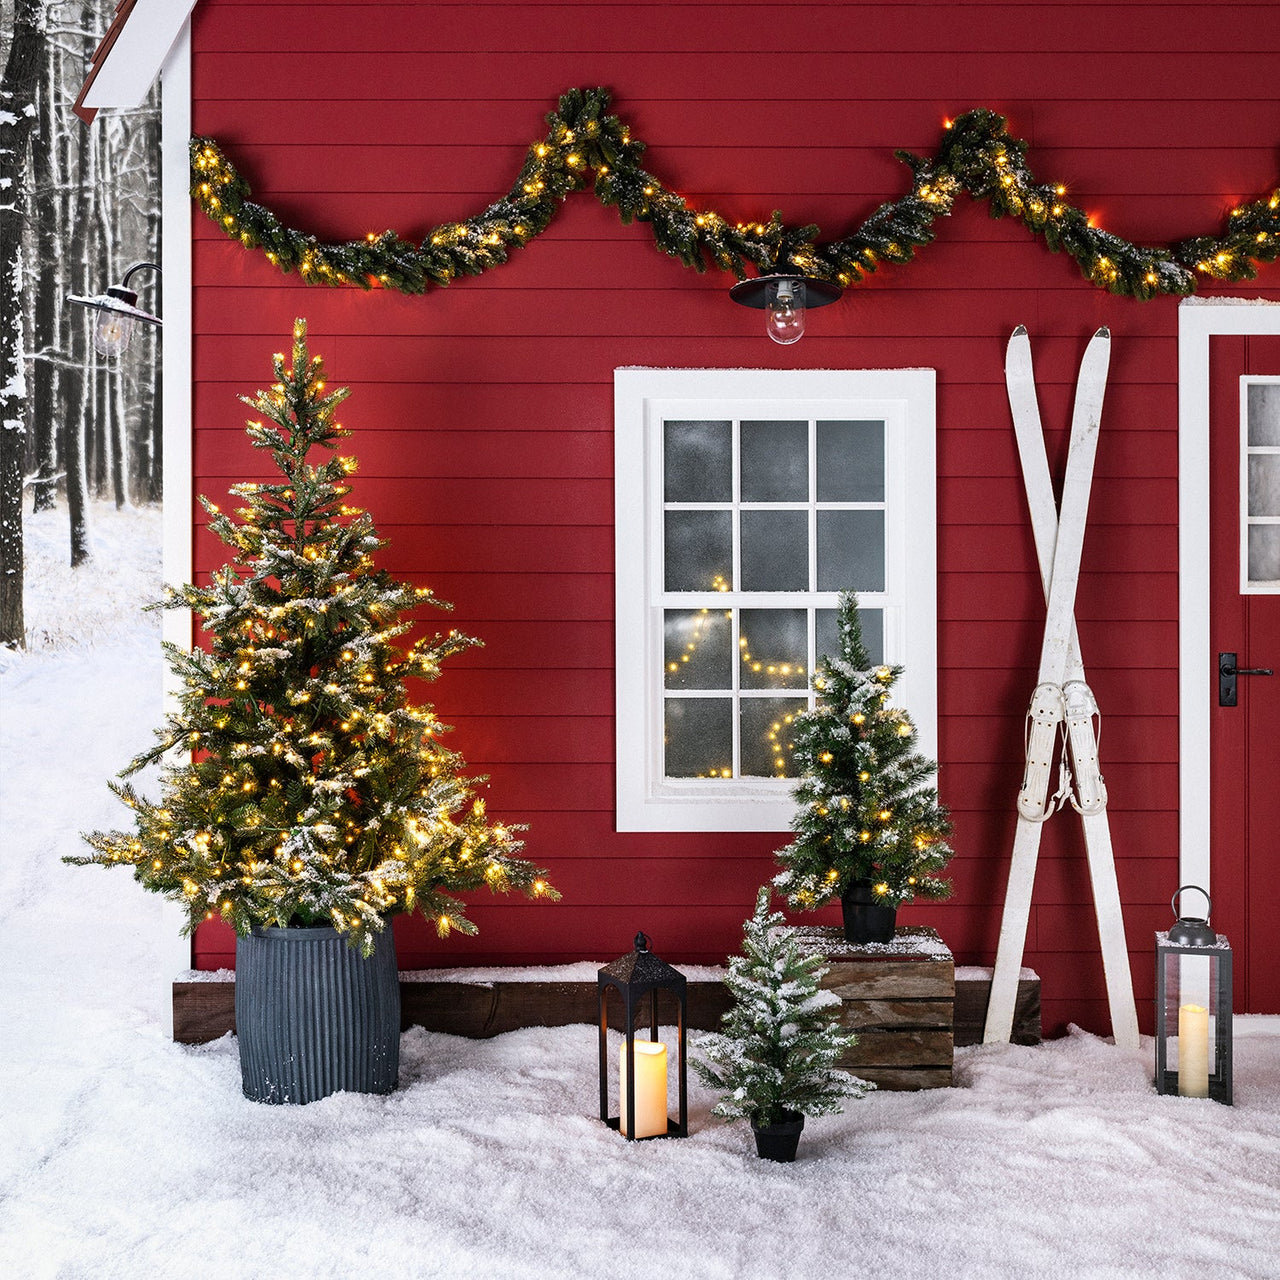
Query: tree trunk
[
  {"x": 47, "y": 329},
  {"x": 17, "y": 117}
]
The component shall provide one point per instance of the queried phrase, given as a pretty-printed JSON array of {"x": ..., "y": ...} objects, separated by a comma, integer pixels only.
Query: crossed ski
[{"x": 1062, "y": 705}]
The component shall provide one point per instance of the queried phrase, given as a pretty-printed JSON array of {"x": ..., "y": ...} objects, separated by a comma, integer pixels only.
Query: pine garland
[
  {"x": 780, "y": 1040},
  {"x": 317, "y": 793},
  {"x": 866, "y": 809},
  {"x": 585, "y": 146}
]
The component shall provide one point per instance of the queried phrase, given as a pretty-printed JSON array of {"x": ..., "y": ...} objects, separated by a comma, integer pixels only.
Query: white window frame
[{"x": 643, "y": 399}]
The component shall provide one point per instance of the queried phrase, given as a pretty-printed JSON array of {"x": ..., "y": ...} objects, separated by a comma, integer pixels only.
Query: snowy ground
[{"x": 124, "y": 1155}]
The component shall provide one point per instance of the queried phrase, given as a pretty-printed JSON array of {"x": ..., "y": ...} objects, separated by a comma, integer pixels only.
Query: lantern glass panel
[{"x": 1191, "y": 984}]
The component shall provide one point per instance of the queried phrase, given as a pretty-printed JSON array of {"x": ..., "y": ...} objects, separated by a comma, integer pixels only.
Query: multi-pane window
[
  {"x": 747, "y": 500},
  {"x": 1260, "y": 485}
]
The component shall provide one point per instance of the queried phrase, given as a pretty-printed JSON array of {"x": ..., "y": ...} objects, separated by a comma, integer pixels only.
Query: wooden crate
[{"x": 900, "y": 998}]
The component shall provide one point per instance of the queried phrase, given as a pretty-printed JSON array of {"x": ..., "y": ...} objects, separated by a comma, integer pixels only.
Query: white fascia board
[{"x": 130, "y": 67}]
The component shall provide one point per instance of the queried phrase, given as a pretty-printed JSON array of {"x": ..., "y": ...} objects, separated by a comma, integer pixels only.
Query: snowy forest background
[{"x": 80, "y": 204}]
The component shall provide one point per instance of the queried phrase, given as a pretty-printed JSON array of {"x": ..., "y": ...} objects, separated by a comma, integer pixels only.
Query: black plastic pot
[
  {"x": 865, "y": 919},
  {"x": 779, "y": 1141},
  {"x": 315, "y": 1017}
]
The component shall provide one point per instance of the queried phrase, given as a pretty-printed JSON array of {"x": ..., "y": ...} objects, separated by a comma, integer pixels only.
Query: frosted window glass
[
  {"x": 1264, "y": 553},
  {"x": 775, "y": 551},
  {"x": 1263, "y": 407},
  {"x": 699, "y": 550},
  {"x": 828, "y": 634},
  {"x": 773, "y": 648},
  {"x": 1264, "y": 484},
  {"x": 699, "y": 738},
  {"x": 850, "y": 461},
  {"x": 698, "y": 645},
  {"x": 697, "y": 461},
  {"x": 774, "y": 461},
  {"x": 766, "y": 736},
  {"x": 851, "y": 551}
]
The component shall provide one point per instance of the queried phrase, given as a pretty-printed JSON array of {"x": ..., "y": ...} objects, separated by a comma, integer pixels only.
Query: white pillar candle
[
  {"x": 1193, "y": 1051},
  {"x": 651, "y": 1088}
]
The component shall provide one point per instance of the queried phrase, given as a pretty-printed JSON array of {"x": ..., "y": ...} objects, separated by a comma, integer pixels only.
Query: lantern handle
[{"x": 1173, "y": 902}]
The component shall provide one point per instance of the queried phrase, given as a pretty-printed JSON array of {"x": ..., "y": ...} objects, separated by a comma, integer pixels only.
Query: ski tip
[
  {"x": 1104, "y": 332},
  {"x": 1019, "y": 332}
]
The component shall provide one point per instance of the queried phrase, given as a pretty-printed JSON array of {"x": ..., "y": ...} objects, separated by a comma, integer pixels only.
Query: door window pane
[
  {"x": 699, "y": 738},
  {"x": 766, "y": 743},
  {"x": 699, "y": 550},
  {"x": 698, "y": 647},
  {"x": 773, "y": 648},
  {"x": 775, "y": 461},
  {"x": 1263, "y": 407},
  {"x": 1264, "y": 554},
  {"x": 851, "y": 551},
  {"x": 850, "y": 461},
  {"x": 1264, "y": 484},
  {"x": 697, "y": 461},
  {"x": 775, "y": 551}
]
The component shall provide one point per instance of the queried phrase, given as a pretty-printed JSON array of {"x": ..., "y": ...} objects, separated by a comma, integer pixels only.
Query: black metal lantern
[
  {"x": 1193, "y": 1007},
  {"x": 642, "y": 1064}
]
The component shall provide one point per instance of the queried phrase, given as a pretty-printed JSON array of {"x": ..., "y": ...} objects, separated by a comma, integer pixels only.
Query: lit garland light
[{"x": 584, "y": 147}]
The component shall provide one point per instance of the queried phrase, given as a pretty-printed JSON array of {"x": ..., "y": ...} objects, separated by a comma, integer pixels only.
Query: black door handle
[{"x": 1227, "y": 673}]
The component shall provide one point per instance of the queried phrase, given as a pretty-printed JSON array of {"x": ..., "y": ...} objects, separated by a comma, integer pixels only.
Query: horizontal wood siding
[{"x": 483, "y": 413}]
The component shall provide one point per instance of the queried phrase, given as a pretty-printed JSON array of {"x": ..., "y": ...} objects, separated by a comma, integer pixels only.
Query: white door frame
[{"x": 1199, "y": 319}]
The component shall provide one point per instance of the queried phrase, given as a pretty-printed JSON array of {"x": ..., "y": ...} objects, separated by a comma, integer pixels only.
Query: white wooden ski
[{"x": 1062, "y": 703}]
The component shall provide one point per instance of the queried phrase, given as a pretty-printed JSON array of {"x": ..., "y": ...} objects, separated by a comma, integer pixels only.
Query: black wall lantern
[
  {"x": 1193, "y": 1007},
  {"x": 118, "y": 313},
  {"x": 642, "y": 1109},
  {"x": 785, "y": 299}
]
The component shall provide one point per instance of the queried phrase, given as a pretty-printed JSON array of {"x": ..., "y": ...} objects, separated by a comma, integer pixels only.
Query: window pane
[
  {"x": 850, "y": 461},
  {"x": 850, "y": 550},
  {"x": 773, "y": 646},
  {"x": 1264, "y": 413},
  {"x": 775, "y": 551},
  {"x": 766, "y": 736},
  {"x": 1264, "y": 553},
  {"x": 775, "y": 461},
  {"x": 698, "y": 645},
  {"x": 697, "y": 461},
  {"x": 699, "y": 550},
  {"x": 828, "y": 634},
  {"x": 699, "y": 738},
  {"x": 1264, "y": 484}
]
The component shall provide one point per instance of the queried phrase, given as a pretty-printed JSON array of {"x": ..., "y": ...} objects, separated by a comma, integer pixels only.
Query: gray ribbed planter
[{"x": 314, "y": 1017}]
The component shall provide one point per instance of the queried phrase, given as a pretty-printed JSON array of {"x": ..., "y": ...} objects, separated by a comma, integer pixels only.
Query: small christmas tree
[
  {"x": 780, "y": 1041},
  {"x": 308, "y": 789},
  {"x": 866, "y": 808}
]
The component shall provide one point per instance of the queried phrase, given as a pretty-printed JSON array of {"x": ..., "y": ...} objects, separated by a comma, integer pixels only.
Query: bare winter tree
[
  {"x": 78, "y": 204},
  {"x": 18, "y": 111}
]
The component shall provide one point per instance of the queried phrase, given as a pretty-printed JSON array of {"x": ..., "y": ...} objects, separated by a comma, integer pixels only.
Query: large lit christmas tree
[
  {"x": 304, "y": 788},
  {"x": 867, "y": 810}
]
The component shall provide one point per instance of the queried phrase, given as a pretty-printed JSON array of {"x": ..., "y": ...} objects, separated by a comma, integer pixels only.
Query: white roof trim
[{"x": 132, "y": 63}]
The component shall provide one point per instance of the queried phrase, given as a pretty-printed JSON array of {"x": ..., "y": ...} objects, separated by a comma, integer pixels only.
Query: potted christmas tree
[
  {"x": 304, "y": 799},
  {"x": 774, "y": 1060},
  {"x": 868, "y": 827}
]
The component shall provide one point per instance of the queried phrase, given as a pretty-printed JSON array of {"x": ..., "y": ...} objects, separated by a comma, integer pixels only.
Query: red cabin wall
[{"x": 483, "y": 413}]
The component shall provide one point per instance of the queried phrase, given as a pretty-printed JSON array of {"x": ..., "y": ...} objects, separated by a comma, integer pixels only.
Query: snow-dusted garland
[{"x": 583, "y": 145}]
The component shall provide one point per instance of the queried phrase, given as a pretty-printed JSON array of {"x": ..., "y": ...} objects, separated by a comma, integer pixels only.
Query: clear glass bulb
[
  {"x": 111, "y": 332},
  {"x": 784, "y": 315}
]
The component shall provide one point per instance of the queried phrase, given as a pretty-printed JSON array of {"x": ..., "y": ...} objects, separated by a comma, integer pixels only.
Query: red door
[{"x": 1245, "y": 621}]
